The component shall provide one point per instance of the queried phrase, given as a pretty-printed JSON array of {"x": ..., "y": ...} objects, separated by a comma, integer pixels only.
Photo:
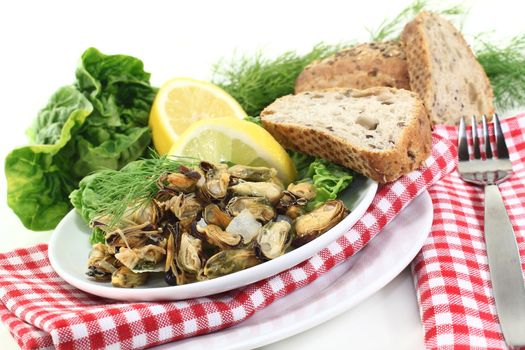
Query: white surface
[
  {"x": 341, "y": 288},
  {"x": 41, "y": 42},
  {"x": 70, "y": 241}
]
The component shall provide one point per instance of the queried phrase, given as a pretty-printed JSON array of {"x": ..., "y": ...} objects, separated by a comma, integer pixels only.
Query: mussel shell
[
  {"x": 229, "y": 261},
  {"x": 310, "y": 226},
  {"x": 273, "y": 240},
  {"x": 258, "y": 206}
]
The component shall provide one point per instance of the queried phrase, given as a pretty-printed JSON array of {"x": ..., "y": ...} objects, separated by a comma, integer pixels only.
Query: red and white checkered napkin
[
  {"x": 451, "y": 271},
  {"x": 41, "y": 310}
]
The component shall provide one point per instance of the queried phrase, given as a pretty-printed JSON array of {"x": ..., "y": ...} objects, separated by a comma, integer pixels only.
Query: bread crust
[
  {"x": 420, "y": 69},
  {"x": 360, "y": 67},
  {"x": 411, "y": 149}
]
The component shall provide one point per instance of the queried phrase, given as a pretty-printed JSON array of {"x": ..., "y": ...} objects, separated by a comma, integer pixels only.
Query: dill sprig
[
  {"x": 255, "y": 81},
  {"x": 505, "y": 67},
  {"x": 111, "y": 193},
  {"x": 390, "y": 29}
]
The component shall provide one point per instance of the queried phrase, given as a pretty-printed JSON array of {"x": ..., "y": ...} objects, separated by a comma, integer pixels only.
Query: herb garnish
[
  {"x": 256, "y": 81},
  {"x": 505, "y": 67},
  {"x": 112, "y": 193}
]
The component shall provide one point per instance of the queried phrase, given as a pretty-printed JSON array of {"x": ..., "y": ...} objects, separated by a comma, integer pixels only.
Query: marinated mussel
[
  {"x": 125, "y": 278},
  {"x": 250, "y": 173},
  {"x": 229, "y": 261},
  {"x": 273, "y": 240},
  {"x": 208, "y": 220},
  {"x": 101, "y": 264},
  {"x": 271, "y": 191},
  {"x": 259, "y": 207},
  {"x": 310, "y": 226}
]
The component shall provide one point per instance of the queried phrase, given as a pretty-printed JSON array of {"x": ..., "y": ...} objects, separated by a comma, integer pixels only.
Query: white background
[{"x": 41, "y": 42}]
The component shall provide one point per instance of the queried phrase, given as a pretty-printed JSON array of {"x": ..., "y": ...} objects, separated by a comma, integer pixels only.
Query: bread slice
[
  {"x": 444, "y": 71},
  {"x": 379, "y": 132},
  {"x": 360, "y": 67}
]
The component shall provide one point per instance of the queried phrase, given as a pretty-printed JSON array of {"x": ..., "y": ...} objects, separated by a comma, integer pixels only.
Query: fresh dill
[
  {"x": 390, "y": 29},
  {"x": 112, "y": 193},
  {"x": 505, "y": 67},
  {"x": 255, "y": 81}
]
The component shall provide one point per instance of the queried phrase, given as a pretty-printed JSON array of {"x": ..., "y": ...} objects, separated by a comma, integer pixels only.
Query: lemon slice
[
  {"x": 237, "y": 141},
  {"x": 182, "y": 101}
]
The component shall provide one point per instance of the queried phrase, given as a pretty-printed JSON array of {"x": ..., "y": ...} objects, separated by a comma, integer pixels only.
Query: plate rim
[{"x": 214, "y": 286}]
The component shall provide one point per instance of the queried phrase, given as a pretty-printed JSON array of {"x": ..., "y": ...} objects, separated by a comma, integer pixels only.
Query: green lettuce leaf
[
  {"x": 38, "y": 179},
  {"x": 100, "y": 122},
  {"x": 329, "y": 179}
]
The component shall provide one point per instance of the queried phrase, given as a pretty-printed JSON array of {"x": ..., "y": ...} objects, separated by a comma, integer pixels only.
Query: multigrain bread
[
  {"x": 360, "y": 67},
  {"x": 444, "y": 71},
  {"x": 380, "y": 132}
]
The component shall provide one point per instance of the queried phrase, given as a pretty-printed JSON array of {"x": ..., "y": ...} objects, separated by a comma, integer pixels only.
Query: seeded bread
[
  {"x": 360, "y": 67},
  {"x": 444, "y": 71},
  {"x": 380, "y": 132}
]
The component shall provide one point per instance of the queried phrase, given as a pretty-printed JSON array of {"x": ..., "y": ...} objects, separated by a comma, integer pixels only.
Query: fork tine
[
  {"x": 502, "y": 151},
  {"x": 486, "y": 138},
  {"x": 462, "y": 141},
  {"x": 475, "y": 139}
]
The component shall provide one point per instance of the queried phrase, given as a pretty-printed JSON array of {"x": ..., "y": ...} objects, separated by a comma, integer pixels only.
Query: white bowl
[{"x": 69, "y": 248}]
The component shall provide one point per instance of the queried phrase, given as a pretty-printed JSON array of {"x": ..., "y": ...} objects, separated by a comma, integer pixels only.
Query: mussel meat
[
  {"x": 213, "y": 215},
  {"x": 189, "y": 253},
  {"x": 229, "y": 261},
  {"x": 134, "y": 237},
  {"x": 217, "y": 180},
  {"x": 294, "y": 211},
  {"x": 258, "y": 206},
  {"x": 217, "y": 237},
  {"x": 143, "y": 259},
  {"x": 251, "y": 173},
  {"x": 310, "y": 226},
  {"x": 185, "y": 207},
  {"x": 101, "y": 264},
  {"x": 181, "y": 182},
  {"x": 125, "y": 278},
  {"x": 304, "y": 190},
  {"x": 273, "y": 240},
  {"x": 270, "y": 191}
]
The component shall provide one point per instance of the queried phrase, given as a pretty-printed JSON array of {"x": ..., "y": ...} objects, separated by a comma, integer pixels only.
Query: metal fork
[{"x": 502, "y": 250}]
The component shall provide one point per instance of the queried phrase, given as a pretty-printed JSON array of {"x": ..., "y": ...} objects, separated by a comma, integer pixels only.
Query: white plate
[
  {"x": 346, "y": 285},
  {"x": 69, "y": 248}
]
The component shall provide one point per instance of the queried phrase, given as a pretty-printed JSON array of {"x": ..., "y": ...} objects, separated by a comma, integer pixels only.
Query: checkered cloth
[
  {"x": 41, "y": 310},
  {"x": 451, "y": 272}
]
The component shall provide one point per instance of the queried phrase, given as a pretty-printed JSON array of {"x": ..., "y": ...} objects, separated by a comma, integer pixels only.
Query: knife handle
[{"x": 506, "y": 274}]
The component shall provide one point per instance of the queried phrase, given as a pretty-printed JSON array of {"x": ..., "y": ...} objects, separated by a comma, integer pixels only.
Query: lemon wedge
[
  {"x": 237, "y": 141},
  {"x": 182, "y": 101}
]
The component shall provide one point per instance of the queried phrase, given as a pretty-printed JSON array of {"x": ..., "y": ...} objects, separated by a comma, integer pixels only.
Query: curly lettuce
[
  {"x": 99, "y": 122},
  {"x": 328, "y": 178}
]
